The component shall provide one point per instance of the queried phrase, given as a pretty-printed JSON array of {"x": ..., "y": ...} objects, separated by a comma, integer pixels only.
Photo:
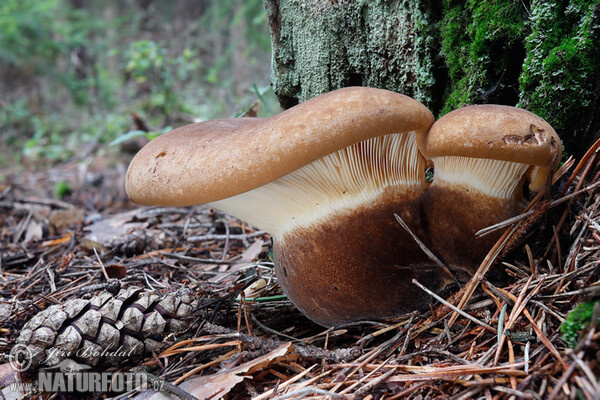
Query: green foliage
[
  {"x": 15, "y": 116},
  {"x": 543, "y": 56},
  {"x": 28, "y": 31},
  {"x": 73, "y": 75},
  {"x": 36, "y": 34},
  {"x": 56, "y": 138},
  {"x": 149, "y": 62},
  {"x": 577, "y": 320},
  {"x": 45, "y": 81},
  {"x": 220, "y": 17},
  {"x": 62, "y": 189},
  {"x": 47, "y": 140}
]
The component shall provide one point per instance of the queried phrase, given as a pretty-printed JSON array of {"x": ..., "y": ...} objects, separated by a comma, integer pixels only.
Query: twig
[
  {"x": 591, "y": 151},
  {"x": 167, "y": 387},
  {"x": 310, "y": 390},
  {"x": 586, "y": 290},
  {"x": 513, "y": 392},
  {"x": 22, "y": 227},
  {"x": 537, "y": 330},
  {"x": 488, "y": 261},
  {"x": 102, "y": 268},
  {"x": 307, "y": 351},
  {"x": 364, "y": 378},
  {"x": 384, "y": 330},
  {"x": 366, "y": 359},
  {"x": 407, "y": 338},
  {"x": 370, "y": 385},
  {"x": 273, "y": 331},
  {"x": 226, "y": 237},
  {"x": 529, "y": 213},
  {"x": 563, "y": 379},
  {"x": 404, "y": 394},
  {"x": 286, "y": 384},
  {"x": 461, "y": 312}
]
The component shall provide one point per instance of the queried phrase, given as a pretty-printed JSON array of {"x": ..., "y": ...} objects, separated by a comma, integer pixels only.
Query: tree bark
[
  {"x": 540, "y": 55},
  {"x": 319, "y": 46}
]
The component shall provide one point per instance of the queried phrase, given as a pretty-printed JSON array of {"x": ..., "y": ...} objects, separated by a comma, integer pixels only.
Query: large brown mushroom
[
  {"x": 484, "y": 156},
  {"x": 324, "y": 178}
]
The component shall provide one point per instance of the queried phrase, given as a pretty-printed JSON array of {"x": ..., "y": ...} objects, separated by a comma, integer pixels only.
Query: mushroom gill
[
  {"x": 333, "y": 185},
  {"x": 500, "y": 179}
]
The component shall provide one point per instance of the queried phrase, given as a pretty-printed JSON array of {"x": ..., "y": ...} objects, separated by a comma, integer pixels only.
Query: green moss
[
  {"x": 560, "y": 73},
  {"x": 541, "y": 55},
  {"x": 62, "y": 189},
  {"x": 577, "y": 320},
  {"x": 478, "y": 42}
]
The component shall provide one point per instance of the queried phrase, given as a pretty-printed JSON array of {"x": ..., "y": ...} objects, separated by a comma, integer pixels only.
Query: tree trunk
[{"x": 540, "y": 55}]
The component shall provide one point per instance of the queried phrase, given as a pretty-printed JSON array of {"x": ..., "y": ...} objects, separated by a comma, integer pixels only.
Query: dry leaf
[
  {"x": 116, "y": 226},
  {"x": 7, "y": 375},
  {"x": 248, "y": 256},
  {"x": 35, "y": 232},
  {"x": 255, "y": 289},
  {"x": 218, "y": 385}
]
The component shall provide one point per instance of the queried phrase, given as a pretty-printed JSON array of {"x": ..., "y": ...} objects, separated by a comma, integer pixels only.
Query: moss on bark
[
  {"x": 319, "y": 46},
  {"x": 482, "y": 47},
  {"x": 541, "y": 55},
  {"x": 561, "y": 73}
]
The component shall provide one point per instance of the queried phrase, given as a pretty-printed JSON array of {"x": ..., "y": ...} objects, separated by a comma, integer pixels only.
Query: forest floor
[{"x": 244, "y": 339}]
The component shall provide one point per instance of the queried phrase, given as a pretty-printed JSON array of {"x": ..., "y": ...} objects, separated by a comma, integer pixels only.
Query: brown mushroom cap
[
  {"x": 495, "y": 132},
  {"x": 324, "y": 178},
  {"x": 213, "y": 160},
  {"x": 483, "y": 155}
]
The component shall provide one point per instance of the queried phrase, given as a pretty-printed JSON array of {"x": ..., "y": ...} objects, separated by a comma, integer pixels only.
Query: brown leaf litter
[{"x": 498, "y": 337}]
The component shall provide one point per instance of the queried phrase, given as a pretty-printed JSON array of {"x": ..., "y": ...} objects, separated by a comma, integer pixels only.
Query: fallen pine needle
[
  {"x": 461, "y": 312},
  {"x": 285, "y": 384},
  {"x": 433, "y": 373}
]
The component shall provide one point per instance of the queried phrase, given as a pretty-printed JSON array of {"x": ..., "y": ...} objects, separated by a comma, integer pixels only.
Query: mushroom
[
  {"x": 325, "y": 179},
  {"x": 483, "y": 156}
]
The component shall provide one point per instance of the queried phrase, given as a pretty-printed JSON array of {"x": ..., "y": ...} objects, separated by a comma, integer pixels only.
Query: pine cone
[{"x": 106, "y": 329}]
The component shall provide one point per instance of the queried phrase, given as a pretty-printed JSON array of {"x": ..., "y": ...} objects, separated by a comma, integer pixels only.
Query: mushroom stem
[
  {"x": 468, "y": 194},
  {"x": 317, "y": 212},
  {"x": 334, "y": 278}
]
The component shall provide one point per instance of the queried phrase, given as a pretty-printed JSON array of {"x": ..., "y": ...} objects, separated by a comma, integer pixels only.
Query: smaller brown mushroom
[
  {"x": 483, "y": 158},
  {"x": 325, "y": 179}
]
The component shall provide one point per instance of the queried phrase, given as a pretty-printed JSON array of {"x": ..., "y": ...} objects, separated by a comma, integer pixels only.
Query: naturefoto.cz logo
[{"x": 70, "y": 376}]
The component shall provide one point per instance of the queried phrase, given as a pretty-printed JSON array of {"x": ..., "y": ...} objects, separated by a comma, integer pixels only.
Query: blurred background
[{"x": 75, "y": 73}]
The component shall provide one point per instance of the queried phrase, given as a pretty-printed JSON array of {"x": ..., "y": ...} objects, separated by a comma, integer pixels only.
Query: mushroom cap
[
  {"x": 214, "y": 160},
  {"x": 494, "y": 132}
]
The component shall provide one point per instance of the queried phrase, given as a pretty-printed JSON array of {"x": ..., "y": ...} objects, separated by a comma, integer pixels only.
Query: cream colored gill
[
  {"x": 340, "y": 181},
  {"x": 496, "y": 178}
]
